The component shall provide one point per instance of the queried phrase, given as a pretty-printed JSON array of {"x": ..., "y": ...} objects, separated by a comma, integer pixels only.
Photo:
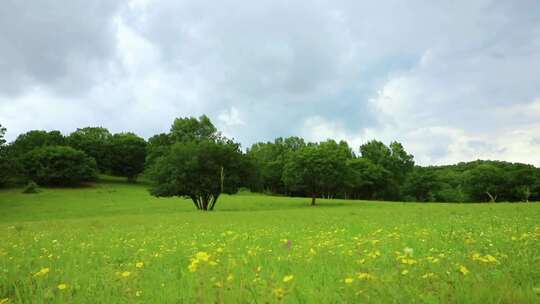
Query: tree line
[{"x": 196, "y": 161}]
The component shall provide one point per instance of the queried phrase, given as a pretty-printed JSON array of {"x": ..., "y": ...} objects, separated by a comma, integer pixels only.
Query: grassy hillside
[{"x": 113, "y": 243}]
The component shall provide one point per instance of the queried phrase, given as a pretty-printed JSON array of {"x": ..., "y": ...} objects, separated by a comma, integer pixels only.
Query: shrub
[
  {"x": 30, "y": 188},
  {"x": 58, "y": 166}
]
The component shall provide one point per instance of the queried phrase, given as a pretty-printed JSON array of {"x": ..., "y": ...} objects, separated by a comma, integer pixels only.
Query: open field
[{"x": 114, "y": 243}]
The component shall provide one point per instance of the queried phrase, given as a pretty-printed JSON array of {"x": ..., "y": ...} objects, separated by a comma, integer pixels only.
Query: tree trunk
[
  {"x": 492, "y": 198},
  {"x": 313, "y": 197},
  {"x": 195, "y": 202},
  {"x": 214, "y": 200}
]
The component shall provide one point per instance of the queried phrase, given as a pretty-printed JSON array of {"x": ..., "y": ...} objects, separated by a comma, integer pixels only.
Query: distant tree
[
  {"x": 158, "y": 145},
  {"x": 314, "y": 169},
  {"x": 377, "y": 152},
  {"x": 421, "y": 184},
  {"x": 5, "y": 167},
  {"x": 485, "y": 181},
  {"x": 523, "y": 179},
  {"x": 94, "y": 141},
  {"x": 199, "y": 170},
  {"x": 394, "y": 159},
  {"x": 126, "y": 155},
  {"x": 365, "y": 180},
  {"x": 58, "y": 166},
  {"x": 31, "y": 140},
  {"x": 2, "y": 134},
  {"x": 268, "y": 160},
  {"x": 401, "y": 163},
  {"x": 192, "y": 129}
]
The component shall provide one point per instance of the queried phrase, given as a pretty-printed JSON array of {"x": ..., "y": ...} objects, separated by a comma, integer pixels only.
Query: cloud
[{"x": 452, "y": 81}]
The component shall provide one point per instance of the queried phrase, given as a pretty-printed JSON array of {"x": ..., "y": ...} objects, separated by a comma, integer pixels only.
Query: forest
[{"x": 196, "y": 161}]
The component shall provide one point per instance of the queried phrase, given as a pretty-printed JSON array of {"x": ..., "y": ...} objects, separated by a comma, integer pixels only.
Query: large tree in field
[
  {"x": 94, "y": 141},
  {"x": 200, "y": 170},
  {"x": 313, "y": 169},
  {"x": 126, "y": 155}
]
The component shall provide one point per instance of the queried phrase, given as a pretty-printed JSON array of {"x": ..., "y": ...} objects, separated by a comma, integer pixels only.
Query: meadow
[{"x": 114, "y": 243}]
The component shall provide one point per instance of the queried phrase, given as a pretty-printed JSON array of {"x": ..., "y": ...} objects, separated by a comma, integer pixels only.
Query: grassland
[{"x": 113, "y": 243}]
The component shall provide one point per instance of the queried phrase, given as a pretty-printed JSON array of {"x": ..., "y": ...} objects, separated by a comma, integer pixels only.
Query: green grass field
[{"x": 114, "y": 243}]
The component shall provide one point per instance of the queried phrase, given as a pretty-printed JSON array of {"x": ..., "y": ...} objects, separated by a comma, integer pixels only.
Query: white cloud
[{"x": 451, "y": 81}]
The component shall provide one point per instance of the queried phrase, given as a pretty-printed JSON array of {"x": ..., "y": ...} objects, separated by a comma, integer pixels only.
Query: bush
[
  {"x": 30, "y": 188},
  {"x": 58, "y": 166}
]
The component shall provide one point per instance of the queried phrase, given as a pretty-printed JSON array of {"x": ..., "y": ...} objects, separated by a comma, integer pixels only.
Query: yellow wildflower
[
  {"x": 364, "y": 276},
  {"x": 139, "y": 265},
  {"x": 62, "y": 286},
  {"x": 463, "y": 270},
  {"x": 404, "y": 272},
  {"x": 138, "y": 293},
  {"x": 125, "y": 274},
  {"x": 428, "y": 275},
  {"x": 408, "y": 261},
  {"x": 42, "y": 272},
  {"x": 279, "y": 293},
  {"x": 288, "y": 278},
  {"x": 202, "y": 256},
  {"x": 349, "y": 280}
]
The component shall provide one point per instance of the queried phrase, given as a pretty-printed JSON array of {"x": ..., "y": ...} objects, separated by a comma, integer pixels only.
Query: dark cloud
[
  {"x": 61, "y": 44},
  {"x": 434, "y": 75}
]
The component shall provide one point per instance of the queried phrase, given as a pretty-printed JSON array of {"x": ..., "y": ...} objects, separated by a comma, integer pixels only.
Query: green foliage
[
  {"x": 158, "y": 145},
  {"x": 6, "y": 169},
  {"x": 365, "y": 179},
  {"x": 393, "y": 159},
  {"x": 31, "y": 188},
  {"x": 2, "y": 134},
  {"x": 268, "y": 160},
  {"x": 94, "y": 141},
  {"x": 192, "y": 129},
  {"x": 199, "y": 170},
  {"x": 421, "y": 185},
  {"x": 126, "y": 155},
  {"x": 58, "y": 166},
  {"x": 316, "y": 169},
  {"x": 485, "y": 182},
  {"x": 31, "y": 140}
]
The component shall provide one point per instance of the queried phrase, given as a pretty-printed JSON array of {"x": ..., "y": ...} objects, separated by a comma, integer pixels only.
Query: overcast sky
[{"x": 452, "y": 80}]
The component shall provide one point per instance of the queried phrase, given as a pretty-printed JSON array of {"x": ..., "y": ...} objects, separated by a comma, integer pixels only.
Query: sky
[{"x": 451, "y": 80}]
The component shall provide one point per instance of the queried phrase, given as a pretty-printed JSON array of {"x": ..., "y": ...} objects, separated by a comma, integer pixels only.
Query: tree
[
  {"x": 192, "y": 129},
  {"x": 126, "y": 155},
  {"x": 5, "y": 167},
  {"x": 314, "y": 169},
  {"x": 199, "y": 170},
  {"x": 394, "y": 159},
  {"x": 485, "y": 181},
  {"x": 522, "y": 181},
  {"x": 94, "y": 141},
  {"x": 157, "y": 146},
  {"x": 421, "y": 184},
  {"x": 2, "y": 134},
  {"x": 365, "y": 180},
  {"x": 31, "y": 140},
  {"x": 58, "y": 166},
  {"x": 269, "y": 159}
]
